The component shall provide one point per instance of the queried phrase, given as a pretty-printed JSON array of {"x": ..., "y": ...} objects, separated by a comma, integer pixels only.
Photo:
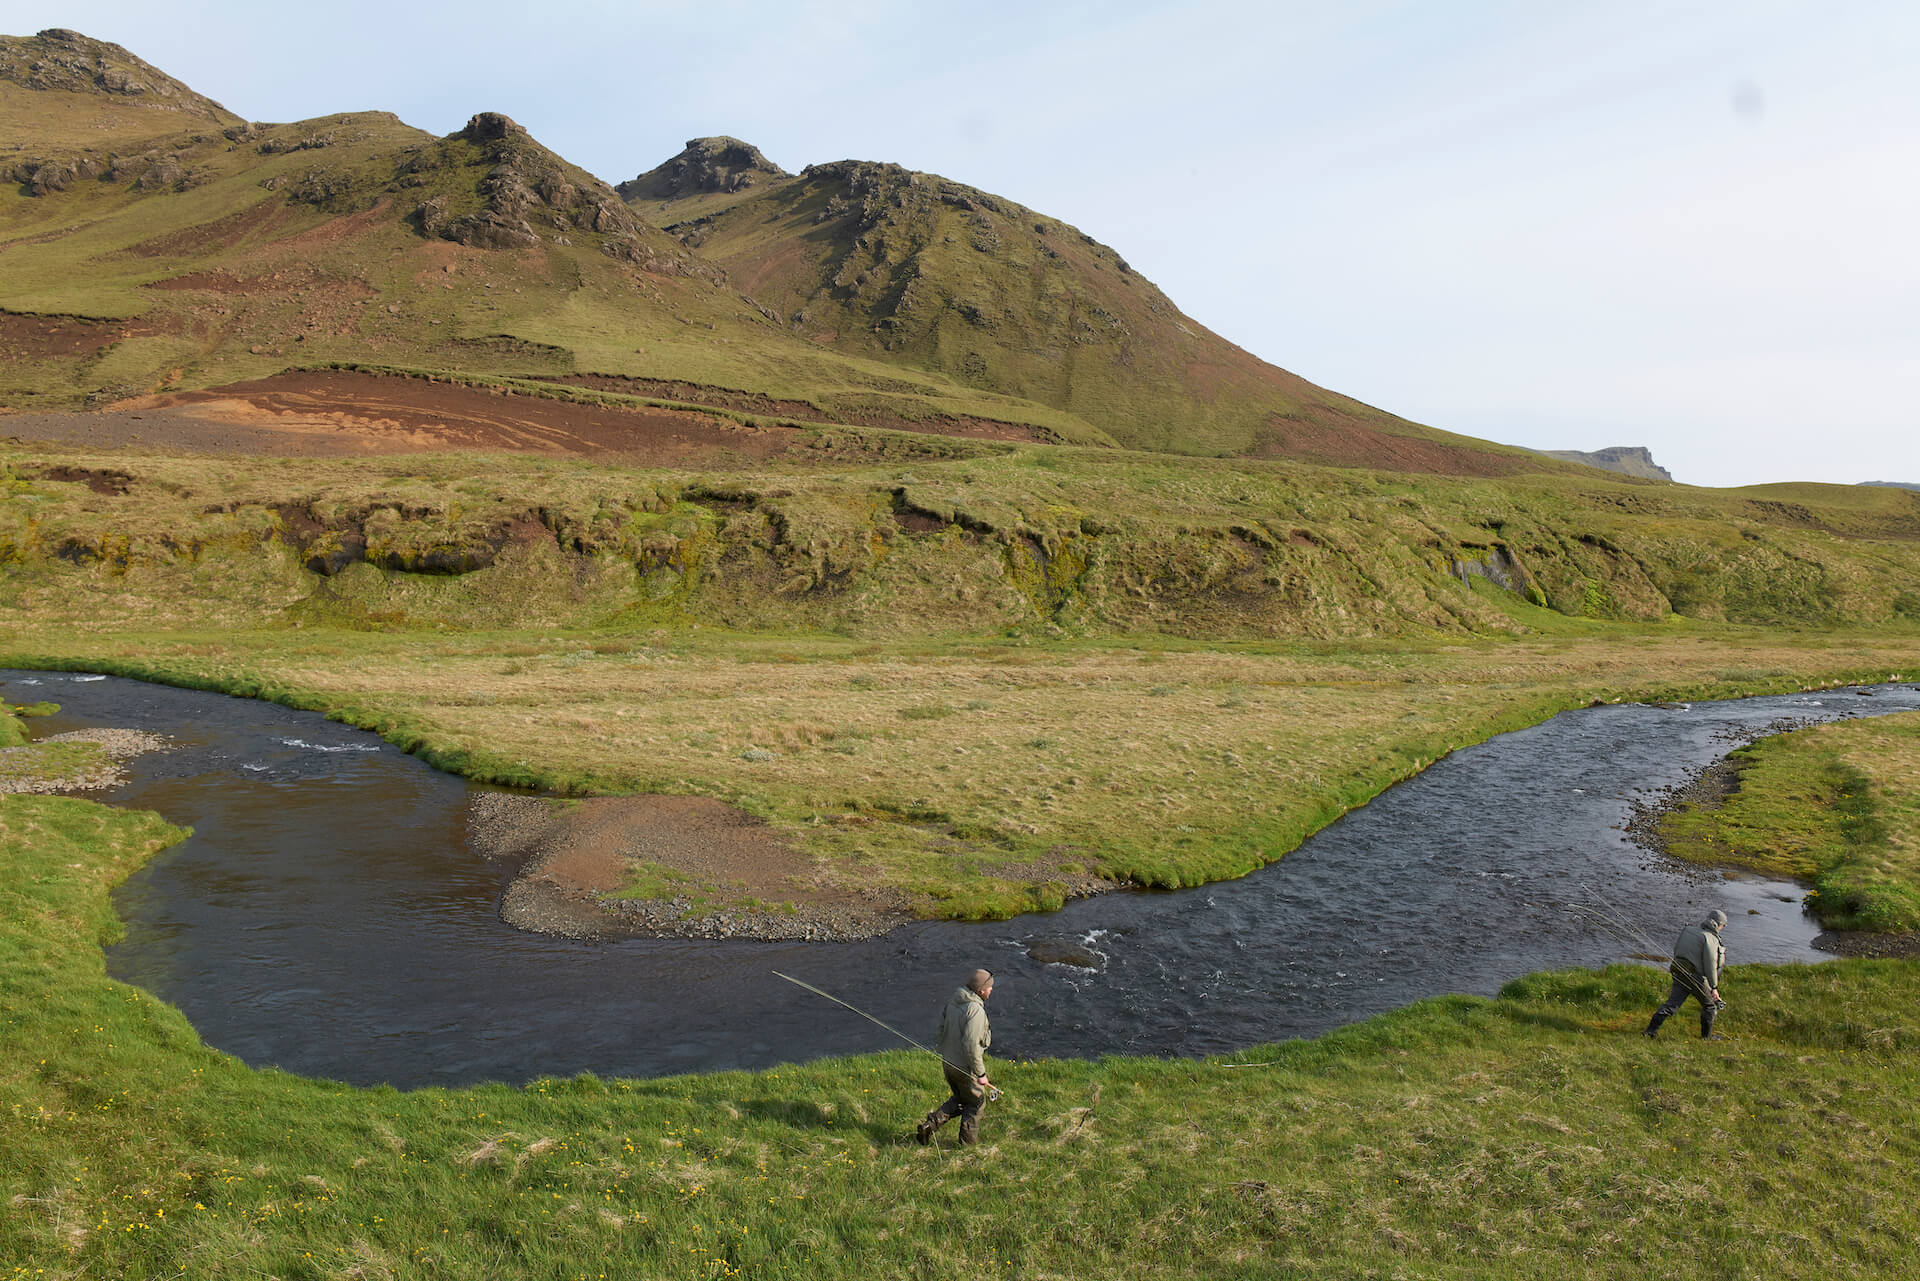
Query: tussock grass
[
  {"x": 1151, "y": 762},
  {"x": 1535, "y": 1134},
  {"x": 890, "y": 535},
  {"x": 1833, "y": 804}
]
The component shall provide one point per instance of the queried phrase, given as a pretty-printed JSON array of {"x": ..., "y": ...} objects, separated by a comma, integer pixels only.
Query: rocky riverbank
[
  {"x": 35, "y": 768},
  {"x": 1709, "y": 789}
]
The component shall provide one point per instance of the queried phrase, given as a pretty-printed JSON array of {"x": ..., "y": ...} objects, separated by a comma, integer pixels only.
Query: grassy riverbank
[
  {"x": 1528, "y": 1135},
  {"x": 1833, "y": 804},
  {"x": 976, "y": 778}
]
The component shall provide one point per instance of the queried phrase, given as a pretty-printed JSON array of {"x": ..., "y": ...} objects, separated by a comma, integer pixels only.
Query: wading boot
[
  {"x": 1653, "y": 1025},
  {"x": 923, "y": 1133},
  {"x": 969, "y": 1129},
  {"x": 1706, "y": 1025}
]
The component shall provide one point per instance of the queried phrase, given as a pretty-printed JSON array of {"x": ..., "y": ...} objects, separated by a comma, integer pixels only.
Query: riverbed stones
[{"x": 118, "y": 746}]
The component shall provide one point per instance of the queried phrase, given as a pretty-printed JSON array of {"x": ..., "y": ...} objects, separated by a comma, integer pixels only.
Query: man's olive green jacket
[
  {"x": 964, "y": 1035},
  {"x": 1701, "y": 948}
]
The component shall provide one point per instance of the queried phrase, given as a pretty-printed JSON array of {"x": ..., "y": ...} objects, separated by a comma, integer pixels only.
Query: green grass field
[{"x": 1460, "y": 1138}]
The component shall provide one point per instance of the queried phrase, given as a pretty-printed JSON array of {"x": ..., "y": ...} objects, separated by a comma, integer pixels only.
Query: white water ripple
[{"x": 335, "y": 747}]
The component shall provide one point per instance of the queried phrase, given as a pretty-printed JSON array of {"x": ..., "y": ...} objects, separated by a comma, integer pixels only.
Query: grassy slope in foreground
[
  {"x": 980, "y": 778},
  {"x": 1529, "y": 1135},
  {"x": 1834, "y": 804}
]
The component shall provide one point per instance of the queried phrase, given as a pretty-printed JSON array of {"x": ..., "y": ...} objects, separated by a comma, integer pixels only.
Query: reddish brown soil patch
[
  {"x": 696, "y": 394},
  {"x": 221, "y": 234},
  {"x": 793, "y": 260},
  {"x": 24, "y": 337},
  {"x": 950, "y": 425},
  {"x": 1334, "y": 443},
  {"x": 285, "y": 281},
  {"x": 340, "y": 229},
  {"x": 754, "y": 403},
  {"x": 723, "y": 868},
  {"x": 333, "y": 413},
  {"x": 101, "y": 481},
  {"x": 918, "y": 522}
]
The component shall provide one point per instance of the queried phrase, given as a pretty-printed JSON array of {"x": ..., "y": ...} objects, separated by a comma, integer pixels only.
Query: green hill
[
  {"x": 152, "y": 241},
  {"x": 63, "y": 92},
  {"x": 938, "y": 276}
]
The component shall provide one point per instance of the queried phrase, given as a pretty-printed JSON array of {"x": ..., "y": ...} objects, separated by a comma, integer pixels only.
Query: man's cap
[{"x": 1717, "y": 919}]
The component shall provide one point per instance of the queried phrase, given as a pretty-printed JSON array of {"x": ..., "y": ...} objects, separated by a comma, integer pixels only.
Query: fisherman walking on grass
[
  {"x": 1698, "y": 959},
  {"x": 963, "y": 1055}
]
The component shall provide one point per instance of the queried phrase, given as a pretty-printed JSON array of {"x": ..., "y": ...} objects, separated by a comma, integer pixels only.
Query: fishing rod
[
  {"x": 1647, "y": 949},
  {"x": 993, "y": 1092},
  {"x": 1609, "y": 917},
  {"x": 1604, "y": 912}
]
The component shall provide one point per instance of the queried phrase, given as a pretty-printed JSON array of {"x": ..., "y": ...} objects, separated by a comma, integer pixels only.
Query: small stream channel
[{"x": 329, "y": 918}]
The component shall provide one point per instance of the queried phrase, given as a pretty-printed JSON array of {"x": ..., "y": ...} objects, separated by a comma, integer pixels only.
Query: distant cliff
[{"x": 1630, "y": 460}]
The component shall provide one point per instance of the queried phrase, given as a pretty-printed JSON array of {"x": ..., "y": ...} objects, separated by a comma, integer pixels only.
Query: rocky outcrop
[
  {"x": 149, "y": 171},
  {"x": 529, "y": 195},
  {"x": 59, "y": 60},
  {"x": 41, "y": 176},
  {"x": 707, "y": 165},
  {"x": 889, "y": 229},
  {"x": 1628, "y": 460}
]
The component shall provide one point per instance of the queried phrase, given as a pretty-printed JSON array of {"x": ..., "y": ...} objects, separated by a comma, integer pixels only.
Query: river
[{"x": 328, "y": 916}]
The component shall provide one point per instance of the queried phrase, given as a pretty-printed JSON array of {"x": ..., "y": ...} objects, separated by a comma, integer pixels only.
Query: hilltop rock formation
[
  {"x": 525, "y": 182},
  {"x": 1628, "y": 460},
  {"x": 102, "y": 103},
  {"x": 708, "y": 165},
  {"x": 66, "y": 61}
]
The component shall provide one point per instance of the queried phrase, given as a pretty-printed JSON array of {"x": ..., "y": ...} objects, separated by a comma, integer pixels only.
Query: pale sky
[{"x": 1690, "y": 226}]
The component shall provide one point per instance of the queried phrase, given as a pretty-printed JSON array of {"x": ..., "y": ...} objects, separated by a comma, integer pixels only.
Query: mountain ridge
[{"x": 870, "y": 292}]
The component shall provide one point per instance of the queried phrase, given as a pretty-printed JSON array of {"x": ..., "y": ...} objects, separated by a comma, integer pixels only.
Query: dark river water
[{"x": 329, "y": 918}]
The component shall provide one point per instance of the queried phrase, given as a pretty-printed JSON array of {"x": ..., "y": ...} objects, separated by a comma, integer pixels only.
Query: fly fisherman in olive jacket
[
  {"x": 1698, "y": 959},
  {"x": 963, "y": 1042}
]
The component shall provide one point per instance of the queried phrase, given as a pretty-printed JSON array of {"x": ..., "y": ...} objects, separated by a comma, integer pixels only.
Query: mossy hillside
[
  {"x": 1458, "y": 1138},
  {"x": 343, "y": 237},
  {"x": 965, "y": 536},
  {"x": 977, "y": 778},
  {"x": 232, "y": 252},
  {"x": 932, "y": 274},
  {"x": 75, "y": 95},
  {"x": 224, "y": 251},
  {"x": 1832, "y": 804}
]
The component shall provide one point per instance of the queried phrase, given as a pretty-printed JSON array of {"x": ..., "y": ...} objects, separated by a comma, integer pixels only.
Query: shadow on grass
[
  {"x": 1557, "y": 1022},
  {"x": 800, "y": 1114}
]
